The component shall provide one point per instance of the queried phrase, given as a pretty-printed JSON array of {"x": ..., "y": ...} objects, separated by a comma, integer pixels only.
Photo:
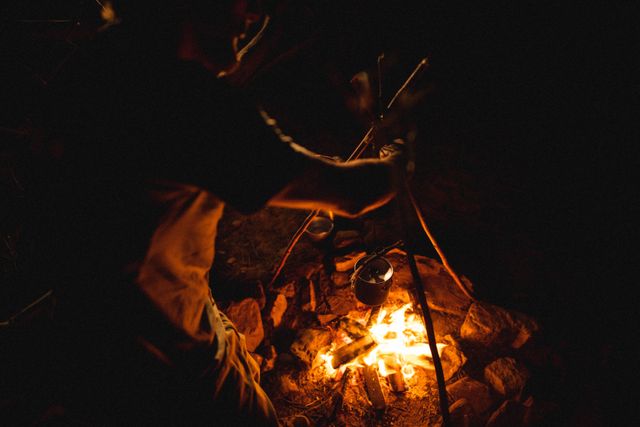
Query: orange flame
[{"x": 401, "y": 345}]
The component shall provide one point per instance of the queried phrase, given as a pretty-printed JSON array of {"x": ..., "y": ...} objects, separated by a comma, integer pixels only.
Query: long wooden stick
[
  {"x": 357, "y": 152},
  {"x": 292, "y": 243},
  {"x": 435, "y": 245},
  {"x": 420, "y": 294}
]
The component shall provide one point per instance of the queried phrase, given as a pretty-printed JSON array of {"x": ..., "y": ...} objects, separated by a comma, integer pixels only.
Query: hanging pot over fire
[{"x": 371, "y": 280}]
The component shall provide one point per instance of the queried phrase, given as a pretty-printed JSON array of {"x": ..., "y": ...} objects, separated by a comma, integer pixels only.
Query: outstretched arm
[{"x": 348, "y": 189}]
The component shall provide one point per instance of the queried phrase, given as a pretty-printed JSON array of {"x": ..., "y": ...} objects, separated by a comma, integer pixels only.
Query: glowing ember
[{"x": 401, "y": 345}]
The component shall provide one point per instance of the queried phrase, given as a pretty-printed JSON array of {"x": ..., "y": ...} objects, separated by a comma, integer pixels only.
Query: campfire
[
  {"x": 395, "y": 344},
  {"x": 325, "y": 355},
  {"x": 393, "y": 347}
]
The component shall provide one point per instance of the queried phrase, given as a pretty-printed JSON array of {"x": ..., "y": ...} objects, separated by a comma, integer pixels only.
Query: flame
[
  {"x": 328, "y": 359},
  {"x": 401, "y": 345}
]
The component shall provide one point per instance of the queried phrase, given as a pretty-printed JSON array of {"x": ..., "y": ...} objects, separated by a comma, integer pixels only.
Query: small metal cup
[
  {"x": 371, "y": 280},
  {"x": 319, "y": 228}
]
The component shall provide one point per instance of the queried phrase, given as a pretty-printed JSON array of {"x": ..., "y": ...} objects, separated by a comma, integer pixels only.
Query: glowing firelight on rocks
[{"x": 401, "y": 345}]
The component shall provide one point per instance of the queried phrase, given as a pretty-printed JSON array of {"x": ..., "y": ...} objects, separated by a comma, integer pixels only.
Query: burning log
[
  {"x": 396, "y": 381},
  {"x": 353, "y": 328},
  {"x": 394, "y": 376},
  {"x": 350, "y": 351},
  {"x": 374, "y": 391}
]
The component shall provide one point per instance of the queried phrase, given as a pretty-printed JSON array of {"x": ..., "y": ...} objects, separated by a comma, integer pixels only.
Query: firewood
[
  {"x": 374, "y": 391},
  {"x": 350, "y": 351},
  {"x": 395, "y": 378},
  {"x": 337, "y": 400},
  {"x": 396, "y": 381},
  {"x": 352, "y": 327}
]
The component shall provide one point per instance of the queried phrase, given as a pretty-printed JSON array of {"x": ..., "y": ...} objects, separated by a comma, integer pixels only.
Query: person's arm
[{"x": 348, "y": 189}]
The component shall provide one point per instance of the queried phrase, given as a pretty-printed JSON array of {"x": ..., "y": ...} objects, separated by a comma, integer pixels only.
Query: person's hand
[
  {"x": 395, "y": 148},
  {"x": 400, "y": 155}
]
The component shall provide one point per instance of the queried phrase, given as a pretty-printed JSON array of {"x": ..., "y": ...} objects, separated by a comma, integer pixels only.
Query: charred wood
[
  {"x": 350, "y": 351},
  {"x": 338, "y": 399},
  {"x": 373, "y": 388}
]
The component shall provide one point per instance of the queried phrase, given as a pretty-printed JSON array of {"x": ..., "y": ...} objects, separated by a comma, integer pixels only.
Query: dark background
[
  {"x": 524, "y": 152},
  {"x": 525, "y": 161}
]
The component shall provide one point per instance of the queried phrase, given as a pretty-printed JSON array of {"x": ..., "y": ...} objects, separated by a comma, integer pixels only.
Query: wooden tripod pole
[{"x": 402, "y": 202}]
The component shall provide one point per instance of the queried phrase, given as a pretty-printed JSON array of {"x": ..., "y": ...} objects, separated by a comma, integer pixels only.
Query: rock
[
  {"x": 442, "y": 291},
  {"x": 245, "y": 315},
  {"x": 326, "y": 318},
  {"x": 346, "y": 238},
  {"x": 288, "y": 385},
  {"x": 309, "y": 342},
  {"x": 452, "y": 360},
  {"x": 398, "y": 296},
  {"x": 450, "y": 340},
  {"x": 524, "y": 326},
  {"x": 288, "y": 290},
  {"x": 491, "y": 325},
  {"x": 308, "y": 298},
  {"x": 509, "y": 414},
  {"x": 476, "y": 393},
  {"x": 269, "y": 361},
  {"x": 483, "y": 325},
  {"x": 340, "y": 280},
  {"x": 506, "y": 376},
  {"x": 346, "y": 263},
  {"x": 462, "y": 414},
  {"x": 278, "y": 309},
  {"x": 341, "y": 301},
  {"x": 444, "y": 323}
]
